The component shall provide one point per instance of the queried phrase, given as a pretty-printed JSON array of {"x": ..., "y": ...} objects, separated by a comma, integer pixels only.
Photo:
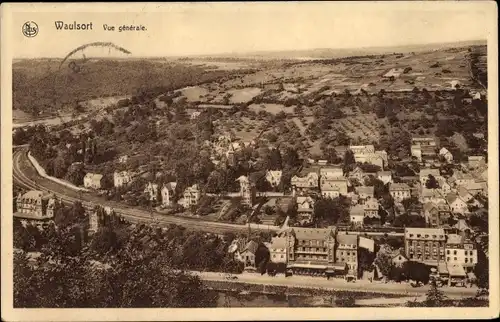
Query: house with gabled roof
[
  {"x": 357, "y": 173},
  {"x": 330, "y": 173},
  {"x": 436, "y": 215},
  {"x": 398, "y": 257},
  {"x": 305, "y": 208},
  {"x": 306, "y": 183},
  {"x": 121, "y": 178},
  {"x": 399, "y": 191},
  {"x": 274, "y": 177},
  {"x": 191, "y": 196},
  {"x": 457, "y": 205},
  {"x": 431, "y": 195},
  {"x": 167, "y": 193},
  {"x": 92, "y": 180},
  {"x": 334, "y": 188},
  {"x": 357, "y": 215},
  {"x": 365, "y": 192}
]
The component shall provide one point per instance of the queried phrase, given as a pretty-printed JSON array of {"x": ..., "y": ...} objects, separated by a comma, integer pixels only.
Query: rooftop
[
  {"x": 426, "y": 172},
  {"x": 451, "y": 197},
  {"x": 434, "y": 232},
  {"x": 278, "y": 242},
  {"x": 455, "y": 239},
  {"x": 346, "y": 239},
  {"x": 312, "y": 233},
  {"x": 357, "y": 210},
  {"x": 35, "y": 195},
  {"x": 365, "y": 190},
  {"x": 398, "y": 186}
]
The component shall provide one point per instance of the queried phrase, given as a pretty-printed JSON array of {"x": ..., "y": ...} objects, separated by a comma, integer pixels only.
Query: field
[{"x": 288, "y": 101}]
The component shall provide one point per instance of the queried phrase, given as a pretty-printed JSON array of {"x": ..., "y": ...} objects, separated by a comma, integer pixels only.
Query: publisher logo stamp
[{"x": 30, "y": 29}]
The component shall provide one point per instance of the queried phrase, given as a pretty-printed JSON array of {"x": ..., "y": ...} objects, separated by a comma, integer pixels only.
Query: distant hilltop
[
  {"x": 322, "y": 53},
  {"x": 301, "y": 54}
]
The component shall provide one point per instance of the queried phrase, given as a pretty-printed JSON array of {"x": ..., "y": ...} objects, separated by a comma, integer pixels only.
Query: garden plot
[
  {"x": 362, "y": 127},
  {"x": 271, "y": 108},
  {"x": 194, "y": 93},
  {"x": 243, "y": 128},
  {"x": 243, "y": 95}
]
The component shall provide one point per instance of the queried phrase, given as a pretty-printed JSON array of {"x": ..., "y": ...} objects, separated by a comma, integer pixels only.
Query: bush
[{"x": 345, "y": 301}]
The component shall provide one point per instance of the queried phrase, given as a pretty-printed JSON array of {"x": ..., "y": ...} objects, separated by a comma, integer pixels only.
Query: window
[
  {"x": 447, "y": 259},
  {"x": 448, "y": 252},
  {"x": 426, "y": 236},
  {"x": 454, "y": 252},
  {"x": 471, "y": 260},
  {"x": 466, "y": 260},
  {"x": 454, "y": 258}
]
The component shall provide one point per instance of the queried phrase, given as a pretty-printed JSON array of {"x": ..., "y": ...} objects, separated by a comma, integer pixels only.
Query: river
[{"x": 235, "y": 299}]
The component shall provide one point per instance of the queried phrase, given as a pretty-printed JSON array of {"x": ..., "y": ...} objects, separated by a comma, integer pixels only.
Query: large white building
[{"x": 461, "y": 251}]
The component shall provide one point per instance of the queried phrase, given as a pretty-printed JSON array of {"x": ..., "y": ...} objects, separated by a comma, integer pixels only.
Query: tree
[
  {"x": 75, "y": 174},
  {"x": 365, "y": 261},
  {"x": 395, "y": 242},
  {"x": 345, "y": 301},
  {"x": 481, "y": 270},
  {"x": 406, "y": 220},
  {"x": 291, "y": 158},
  {"x": 417, "y": 271},
  {"x": 435, "y": 297},
  {"x": 275, "y": 162},
  {"x": 431, "y": 182},
  {"x": 383, "y": 261},
  {"x": 349, "y": 161},
  {"x": 379, "y": 188},
  {"x": 397, "y": 274},
  {"x": 271, "y": 268},
  {"x": 330, "y": 211},
  {"x": 262, "y": 257},
  {"x": 409, "y": 202}
]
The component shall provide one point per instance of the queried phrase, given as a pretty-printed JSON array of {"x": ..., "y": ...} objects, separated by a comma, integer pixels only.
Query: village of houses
[{"x": 307, "y": 248}]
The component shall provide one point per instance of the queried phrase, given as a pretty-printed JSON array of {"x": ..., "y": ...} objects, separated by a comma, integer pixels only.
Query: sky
[{"x": 212, "y": 28}]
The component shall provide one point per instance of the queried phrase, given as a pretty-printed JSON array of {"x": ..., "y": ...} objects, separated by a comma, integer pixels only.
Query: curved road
[
  {"x": 20, "y": 161},
  {"x": 403, "y": 289}
]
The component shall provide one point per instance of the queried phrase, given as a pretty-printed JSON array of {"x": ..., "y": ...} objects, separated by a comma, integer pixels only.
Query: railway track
[{"x": 133, "y": 215}]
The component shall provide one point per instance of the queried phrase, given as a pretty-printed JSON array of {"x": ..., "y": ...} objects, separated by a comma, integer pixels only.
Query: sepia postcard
[{"x": 210, "y": 161}]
